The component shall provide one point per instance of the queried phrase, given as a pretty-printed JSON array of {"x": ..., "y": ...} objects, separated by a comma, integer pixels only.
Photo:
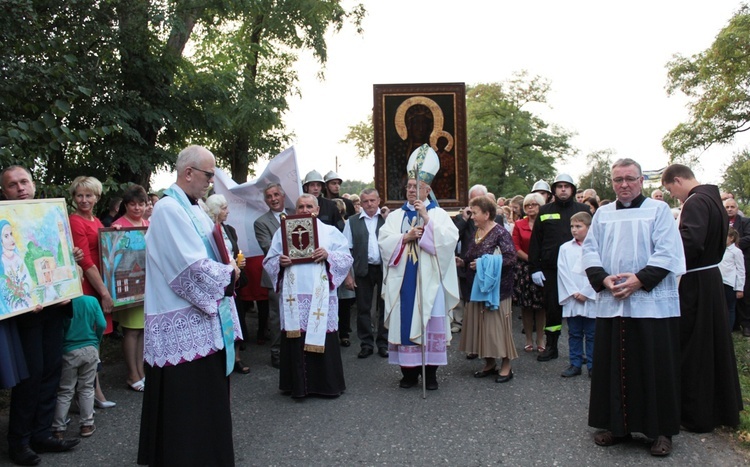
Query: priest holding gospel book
[{"x": 310, "y": 352}]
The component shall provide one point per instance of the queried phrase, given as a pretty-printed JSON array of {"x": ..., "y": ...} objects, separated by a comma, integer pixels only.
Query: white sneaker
[{"x": 103, "y": 404}]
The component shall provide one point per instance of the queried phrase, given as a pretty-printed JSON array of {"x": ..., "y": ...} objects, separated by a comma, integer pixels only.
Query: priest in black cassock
[
  {"x": 632, "y": 256},
  {"x": 710, "y": 386}
]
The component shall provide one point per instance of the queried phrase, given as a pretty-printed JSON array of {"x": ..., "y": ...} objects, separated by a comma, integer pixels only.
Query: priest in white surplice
[
  {"x": 191, "y": 325},
  {"x": 632, "y": 256},
  {"x": 420, "y": 284},
  {"x": 310, "y": 352}
]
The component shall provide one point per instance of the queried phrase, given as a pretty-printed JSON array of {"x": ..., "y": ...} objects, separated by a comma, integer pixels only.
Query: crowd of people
[{"x": 415, "y": 275}]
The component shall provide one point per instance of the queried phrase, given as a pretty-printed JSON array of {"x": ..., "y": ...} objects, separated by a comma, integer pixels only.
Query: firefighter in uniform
[{"x": 551, "y": 230}]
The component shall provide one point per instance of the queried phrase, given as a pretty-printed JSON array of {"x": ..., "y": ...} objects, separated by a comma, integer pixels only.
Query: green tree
[
  {"x": 254, "y": 60},
  {"x": 54, "y": 106},
  {"x": 509, "y": 146},
  {"x": 717, "y": 82},
  {"x": 107, "y": 89},
  {"x": 598, "y": 175},
  {"x": 362, "y": 136},
  {"x": 737, "y": 177},
  {"x": 355, "y": 187}
]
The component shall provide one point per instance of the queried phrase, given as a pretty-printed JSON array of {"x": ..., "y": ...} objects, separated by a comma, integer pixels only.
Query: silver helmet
[
  {"x": 541, "y": 185},
  {"x": 313, "y": 176},
  {"x": 332, "y": 176},
  {"x": 564, "y": 178}
]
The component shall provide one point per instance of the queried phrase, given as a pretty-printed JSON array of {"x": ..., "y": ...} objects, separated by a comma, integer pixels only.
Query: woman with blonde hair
[
  {"x": 217, "y": 209},
  {"x": 525, "y": 293},
  {"x": 84, "y": 228}
]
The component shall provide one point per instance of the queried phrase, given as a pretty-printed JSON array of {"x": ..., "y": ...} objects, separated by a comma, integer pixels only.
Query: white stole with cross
[{"x": 317, "y": 314}]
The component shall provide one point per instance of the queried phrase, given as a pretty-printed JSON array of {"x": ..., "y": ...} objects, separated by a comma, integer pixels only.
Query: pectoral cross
[{"x": 290, "y": 300}]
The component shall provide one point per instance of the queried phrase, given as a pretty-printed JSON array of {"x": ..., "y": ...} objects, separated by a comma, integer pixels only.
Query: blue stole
[
  {"x": 409, "y": 284},
  {"x": 225, "y": 310}
]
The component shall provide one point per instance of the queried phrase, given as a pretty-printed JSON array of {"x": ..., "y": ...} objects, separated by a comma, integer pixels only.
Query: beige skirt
[{"x": 488, "y": 334}]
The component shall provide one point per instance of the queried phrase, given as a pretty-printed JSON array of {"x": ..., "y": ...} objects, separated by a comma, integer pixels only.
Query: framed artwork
[
  {"x": 299, "y": 236},
  {"x": 409, "y": 115},
  {"x": 37, "y": 265},
  {"x": 123, "y": 264}
]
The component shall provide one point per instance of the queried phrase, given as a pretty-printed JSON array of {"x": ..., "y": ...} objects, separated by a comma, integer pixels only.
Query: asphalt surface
[{"x": 538, "y": 418}]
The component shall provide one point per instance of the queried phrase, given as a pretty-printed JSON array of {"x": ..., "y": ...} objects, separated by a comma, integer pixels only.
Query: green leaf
[
  {"x": 62, "y": 106},
  {"x": 49, "y": 120}
]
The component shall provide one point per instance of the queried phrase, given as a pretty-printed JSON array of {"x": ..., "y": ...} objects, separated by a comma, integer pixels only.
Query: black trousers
[
  {"x": 33, "y": 400},
  {"x": 367, "y": 287},
  {"x": 552, "y": 302}
]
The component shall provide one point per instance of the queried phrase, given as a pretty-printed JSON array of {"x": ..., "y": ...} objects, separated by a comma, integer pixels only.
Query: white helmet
[
  {"x": 564, "y": 178},
  {"x": 541, "y": 185},
  {"x": 312, "y": 176},
  {"x": 332, "y": 176}
]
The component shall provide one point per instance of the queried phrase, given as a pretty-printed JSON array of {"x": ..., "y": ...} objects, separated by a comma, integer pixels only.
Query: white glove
[{"x": 538, "y": 278}]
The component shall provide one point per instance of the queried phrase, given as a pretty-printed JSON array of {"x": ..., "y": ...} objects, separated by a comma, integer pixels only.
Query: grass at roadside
[{"x": 742, "y": 351}]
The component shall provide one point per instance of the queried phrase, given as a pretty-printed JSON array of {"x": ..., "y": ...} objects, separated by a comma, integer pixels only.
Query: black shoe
[
  {"x": 571, "y": 371},
  {"x": 411, "y": 377},
  {"x": 430, "y": 378},
  {"x": 485, "y": 373},
  {"x": 407, "y": 383},
  {"x": 746, "y": 331},
  {"x": 53, "y": 444},
  {"x": 345, "y": 342},
  {"x": 549, "y": 354},
  {"x": 504, "y": 379},
  {"x": 276, "y": 360},
  {"x": 365, "y": 352},
  {"x": 383, "y": 352},
  {"x": 24, "y": 456}
]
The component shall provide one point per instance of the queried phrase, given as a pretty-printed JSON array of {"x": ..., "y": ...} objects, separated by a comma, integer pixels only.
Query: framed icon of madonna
[{"x": 407, "y": 116}]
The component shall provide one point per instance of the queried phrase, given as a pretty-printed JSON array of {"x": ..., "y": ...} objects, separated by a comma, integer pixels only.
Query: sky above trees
[{"x": 606, "y": 64}]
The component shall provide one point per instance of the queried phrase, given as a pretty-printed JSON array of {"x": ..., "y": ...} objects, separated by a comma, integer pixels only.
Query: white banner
[{"x": 246, "y": 201}]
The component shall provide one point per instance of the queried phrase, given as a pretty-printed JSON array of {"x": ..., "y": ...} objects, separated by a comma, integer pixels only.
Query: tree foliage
[
  {"x": 737, "y": 177},
  {"x": 362, "y": 136},
  {"x": 598, "y": 175},
  {"x": 115, "y": 89},
  {"x": 355, "y": 187},
  {"x": 717, "y": 81},
  {"x": 509, "y": 147}
]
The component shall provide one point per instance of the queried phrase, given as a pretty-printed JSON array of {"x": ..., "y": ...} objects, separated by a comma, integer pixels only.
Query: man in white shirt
[{"x": 361, "y": 232}]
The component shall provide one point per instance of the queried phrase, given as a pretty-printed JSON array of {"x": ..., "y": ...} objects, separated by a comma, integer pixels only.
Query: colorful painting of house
[{"x": 36, "y": 264}]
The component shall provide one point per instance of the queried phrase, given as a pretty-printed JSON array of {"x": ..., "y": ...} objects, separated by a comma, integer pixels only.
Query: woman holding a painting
[{"x": 132, "y": 209}]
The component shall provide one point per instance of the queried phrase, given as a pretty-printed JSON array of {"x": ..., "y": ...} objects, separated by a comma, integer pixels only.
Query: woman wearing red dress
[{"x": 84, "y": 227}]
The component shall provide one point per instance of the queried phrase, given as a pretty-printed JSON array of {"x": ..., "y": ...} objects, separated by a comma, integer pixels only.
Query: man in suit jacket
[
  {"x": 265, "y": 226},
  {"x": 742, "y": 226},
  {"x": 361, "y": 232}
]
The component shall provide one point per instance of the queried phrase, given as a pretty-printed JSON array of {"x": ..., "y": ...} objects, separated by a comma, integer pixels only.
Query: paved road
[{"x": 538, "y": 418}]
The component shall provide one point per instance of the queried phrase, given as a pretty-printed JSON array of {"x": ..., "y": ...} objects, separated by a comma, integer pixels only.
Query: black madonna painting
[{"x": 407, "y": 116}]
